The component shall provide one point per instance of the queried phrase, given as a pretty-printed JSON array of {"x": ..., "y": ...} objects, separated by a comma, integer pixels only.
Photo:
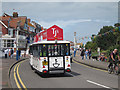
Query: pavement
[
  {"x": 91, "y": 62},
  {"x": 4, "y": 68}
]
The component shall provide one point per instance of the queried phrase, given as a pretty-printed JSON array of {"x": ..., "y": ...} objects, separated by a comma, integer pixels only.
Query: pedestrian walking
[
  {"x": 89, "y": 53},
  {"x": 74, "y": 52},
  {"x": 86, "y": 53},
  {"x": 19, "y": 54},
  {"x": 6, "y": 53},
  {"x": 82, "y": 53},
  {"x": 11, "y": 53}
]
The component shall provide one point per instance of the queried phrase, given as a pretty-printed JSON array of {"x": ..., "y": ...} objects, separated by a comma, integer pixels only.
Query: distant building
[
  {"x": 31, "y": 30},
  {"x": 9, "y": 27}
]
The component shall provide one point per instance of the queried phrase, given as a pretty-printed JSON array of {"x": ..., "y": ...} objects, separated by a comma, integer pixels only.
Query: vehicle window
[
  {"x": 58, "y": 50},
  {"x": 44, "y": 49},
  {"x": 49, "y": 50},
  {"x": 35, "y": 51},
  {"x": 40, "y": 51},
  {"x": 67, "y": 50},
  {"x": 62, "y": 49},
  {"x": 31, "y": 49},
  {"x": 53, "y": 50}
]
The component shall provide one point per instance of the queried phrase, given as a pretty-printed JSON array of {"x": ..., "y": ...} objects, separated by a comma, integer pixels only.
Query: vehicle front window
[{"x": 58, "y": 50}]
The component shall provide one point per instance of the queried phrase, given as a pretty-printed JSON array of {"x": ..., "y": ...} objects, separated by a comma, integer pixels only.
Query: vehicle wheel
[
  {"x": 116, "y": 71},
  {"x": 32, "y": 67},
  {"x": 109, "y": 70}
]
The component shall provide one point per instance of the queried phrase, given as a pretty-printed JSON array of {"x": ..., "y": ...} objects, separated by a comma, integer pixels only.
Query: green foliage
[
  {"x": 95, "y": 54},
  {"x": 91, "y": 45},
  {"x": 107, "y": 42}
]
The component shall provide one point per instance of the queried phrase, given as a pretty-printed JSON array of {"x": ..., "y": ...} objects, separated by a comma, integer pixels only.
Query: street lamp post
[
  {"x": 74, "y": 40},
  {"x": 18, "y": 27},
  {"x": 74, "y": 44}
]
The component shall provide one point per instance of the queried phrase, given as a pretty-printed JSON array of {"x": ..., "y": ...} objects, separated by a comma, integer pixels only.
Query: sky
[{"x": 84, "y": 18}]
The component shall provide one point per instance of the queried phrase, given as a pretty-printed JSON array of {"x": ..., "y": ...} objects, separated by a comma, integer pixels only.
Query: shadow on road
[{"x": 70, "y": 74}]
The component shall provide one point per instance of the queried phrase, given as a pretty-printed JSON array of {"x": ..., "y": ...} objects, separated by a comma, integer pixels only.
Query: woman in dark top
[
  {"x": 82, "y": 54},
  {"x": 89, "y": 52}
]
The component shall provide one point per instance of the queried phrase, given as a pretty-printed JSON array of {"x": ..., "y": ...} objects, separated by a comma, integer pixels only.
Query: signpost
[{"x": 74, "y": 44}]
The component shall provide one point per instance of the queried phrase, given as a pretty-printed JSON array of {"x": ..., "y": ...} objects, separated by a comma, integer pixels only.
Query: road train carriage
[
  {"x": 50, "y": 54},
  {"x": 49, "y": 57}
]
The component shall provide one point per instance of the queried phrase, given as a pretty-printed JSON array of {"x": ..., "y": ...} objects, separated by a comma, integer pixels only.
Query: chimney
[{"x": 15, "y": 14}]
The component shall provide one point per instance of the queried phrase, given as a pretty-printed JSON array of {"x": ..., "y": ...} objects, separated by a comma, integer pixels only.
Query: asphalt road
[{"x": 81, "y": 77}]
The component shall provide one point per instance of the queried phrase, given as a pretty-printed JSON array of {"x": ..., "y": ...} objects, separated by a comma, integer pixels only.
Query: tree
[
  {"x": 106, "y": 39},
  {"x": 91, "y": 45}
]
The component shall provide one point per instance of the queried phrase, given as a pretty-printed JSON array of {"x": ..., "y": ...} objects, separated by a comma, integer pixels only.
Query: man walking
[
  {"x": 11, "y": 52},
  {"x": 74, "y": 52},
  {"x": 82, "y": 54},
  {"x": 6, "y": 53},
  {"x": 86, "y": 53},
  {"x": 89, "y": 52}
]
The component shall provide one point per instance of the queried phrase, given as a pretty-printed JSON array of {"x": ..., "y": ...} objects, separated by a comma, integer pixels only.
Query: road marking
[
  {"x": 16, "y": 74},
  {"x": 16, "y": 78},
  {"x": 89, "y": 66},
  {"x": 20, "y": 78},
  {"x": 97, "y": 84}
]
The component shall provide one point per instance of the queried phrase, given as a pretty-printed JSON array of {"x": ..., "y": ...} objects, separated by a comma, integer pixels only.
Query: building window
[
  {"x": 25, "y": 26},
  {"x": 10, "y": 32}
]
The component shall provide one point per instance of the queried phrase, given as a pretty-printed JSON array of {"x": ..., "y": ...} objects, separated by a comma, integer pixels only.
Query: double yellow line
[
  {"x": 90, "y": 67},
  {"x": 17, "y": 78}
]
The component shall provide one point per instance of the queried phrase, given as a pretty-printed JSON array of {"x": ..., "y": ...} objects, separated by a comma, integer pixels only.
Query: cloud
[
  {"x": 70, "y": 22},
  {"x": 63, "y": 23},
  {"x": 104, "y": 21}
]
